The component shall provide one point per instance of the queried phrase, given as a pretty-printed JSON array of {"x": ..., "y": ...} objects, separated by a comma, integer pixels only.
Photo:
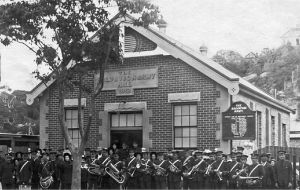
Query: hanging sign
[{"x": 238, "y": 122}]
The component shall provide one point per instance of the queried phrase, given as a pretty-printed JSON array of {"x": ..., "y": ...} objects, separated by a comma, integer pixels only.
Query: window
[
  {"x": 71, "y": 118},
  {"x": 284, "y": 143},
  {"x": 259, "y": 126},
  {"x": 279, "y": 129},
  {"x": 267, "y": 127},
  {"x": 185, "y": 126},
  {"x": 273, "y": 130},
  {"x": 119, "y": 120}
]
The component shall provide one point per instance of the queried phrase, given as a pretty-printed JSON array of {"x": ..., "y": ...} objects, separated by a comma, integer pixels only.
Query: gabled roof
[{"x": 208, "y": 67}]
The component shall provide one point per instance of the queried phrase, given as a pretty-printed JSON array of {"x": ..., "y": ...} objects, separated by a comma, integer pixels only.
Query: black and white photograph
[{"x": 149, "y": 94}]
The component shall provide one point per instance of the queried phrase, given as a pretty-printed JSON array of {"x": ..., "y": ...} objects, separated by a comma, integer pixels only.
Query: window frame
[
  {"x": 183, "y": 126},
  {"x": 72, "y": 129},
  {"x": 134, "y": 127}
]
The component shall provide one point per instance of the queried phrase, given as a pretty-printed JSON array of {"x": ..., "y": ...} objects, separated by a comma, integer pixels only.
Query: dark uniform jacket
[
  {"x": 46, "y": 169},
  {"x": 268, "y": 179},
  {"x": 187, "y": 165},
  {"x": 7, "y": 172},
  {"x": 24, "y": 172},
  {"x": 283, "y": 172},
  {"x": 219, "y": 165},
  {"x": 175, "y": 175},
  {"x": 163, "y": 167},
  {"x": 198, "y": 173},
  {"x": 35, "y": 170}
]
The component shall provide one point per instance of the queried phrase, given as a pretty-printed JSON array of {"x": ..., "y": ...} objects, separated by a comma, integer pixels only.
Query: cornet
[{"x": 114, "y": 173}]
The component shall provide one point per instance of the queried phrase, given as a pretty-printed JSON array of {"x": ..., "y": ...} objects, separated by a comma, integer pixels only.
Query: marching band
[{"x": 141, "y": 169}]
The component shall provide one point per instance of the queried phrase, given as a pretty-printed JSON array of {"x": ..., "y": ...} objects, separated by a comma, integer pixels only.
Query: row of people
[{"x": 145, "y": 170}]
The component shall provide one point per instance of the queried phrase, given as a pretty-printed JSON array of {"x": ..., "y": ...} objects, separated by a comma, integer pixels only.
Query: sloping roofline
[{"x": 213, "y": 70}]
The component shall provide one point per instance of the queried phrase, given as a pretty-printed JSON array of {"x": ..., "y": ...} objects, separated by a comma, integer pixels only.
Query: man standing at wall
[{"x": 283, "y": 172}]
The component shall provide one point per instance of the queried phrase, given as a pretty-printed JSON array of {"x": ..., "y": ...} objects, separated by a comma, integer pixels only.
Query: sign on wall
[
  {"x": 238, "y": 122},
  {"x": 125, "y": 80}
]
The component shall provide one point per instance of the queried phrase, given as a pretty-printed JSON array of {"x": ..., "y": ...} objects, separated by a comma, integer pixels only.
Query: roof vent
[
  {"x": 162, "y": 25},
  {"x": 203, "y": 50}
]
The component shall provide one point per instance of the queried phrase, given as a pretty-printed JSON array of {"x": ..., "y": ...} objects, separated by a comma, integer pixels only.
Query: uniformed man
[
  {"x": 207, "y": 158},
  {"x": 283, "y": 172},
  {"x": 161, "y": 166},
  {"x": 175, "y": 171},
  {"x": 84, "y": 173},
  {"x": 102, "y": 161},
  {"x": 36, "y": 156},
  {"x": 199, "y": 169},
  {"x": 131, "y": 164},
  {"x": 66, "y": 171},
  {"x": 234, "y": 167},
  {"x": 187, "y": 165},
  {"x": 116, "y": 163},
  {"x": 138, "y": 175},
  {"x": 268, "y": 179},
  {"x": 7, "y": 172},
  {"x": 242, "y": 171},
  {"x": 217, "y": 170},
  {"x": 46, "y": 168},
  {"x": 147, "y": 169},
  {"x": 24, "y": 173},
  {"x": 255, "y": 170}
]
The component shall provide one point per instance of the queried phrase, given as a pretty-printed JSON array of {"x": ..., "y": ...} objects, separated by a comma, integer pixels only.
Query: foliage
[{"x": 59, "y": 33}]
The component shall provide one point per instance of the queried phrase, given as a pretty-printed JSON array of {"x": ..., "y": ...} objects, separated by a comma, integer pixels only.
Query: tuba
[{"x": 114, "y": 173}]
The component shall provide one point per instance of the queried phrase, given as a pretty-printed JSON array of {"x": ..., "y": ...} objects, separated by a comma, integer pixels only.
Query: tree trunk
[{"x": 76, "y": 173}]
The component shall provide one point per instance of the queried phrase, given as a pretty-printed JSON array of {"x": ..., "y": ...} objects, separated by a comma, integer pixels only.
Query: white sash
[
  {"x": 175, "y": 162},
  {"x": 23, "y": 166},
  {"x": 253, "y": 169},
  {"x": 220, "y": 165},
  {"x": 234, "y": 166},
  {"x": 185, "y": 161},
  {"x": 131, "y": 161}
]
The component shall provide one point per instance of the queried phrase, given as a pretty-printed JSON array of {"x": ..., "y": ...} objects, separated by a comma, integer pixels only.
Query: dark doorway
[{"x": 127, "y": 136}]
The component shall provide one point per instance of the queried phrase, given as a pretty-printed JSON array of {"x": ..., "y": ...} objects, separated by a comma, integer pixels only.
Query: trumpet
[
  {"x": 218, "y": 173},
  {"x": 194, "y": 168},
  {"x": 159, "y": 171},
  {"x": 114, "y": 173},
  {"x": 251, "y": 180},
  {"x": 239, "y": 173},
  {"x": 133, "y": 168}
]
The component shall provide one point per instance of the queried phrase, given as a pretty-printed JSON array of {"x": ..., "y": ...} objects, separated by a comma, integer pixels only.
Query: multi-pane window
[
  {"x": 126, "y": 120},
  {"x": 71, "y": 119},
  {"x": 279, "y": 129},
  {"x": 185, "y": 126},
  {"x": 273, "y": 130},
  {"x": 259, "y": 127},
  {"x": 284, "y": 143}
]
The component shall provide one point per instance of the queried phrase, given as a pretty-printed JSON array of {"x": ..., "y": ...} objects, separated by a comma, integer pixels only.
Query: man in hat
[
  {"x": 268, "y": 180},
  {"x": 218, "y": 168},
  {"x": 7, "y": 172},
  {"x": 131, "y": 164},
  {"x": 46, "y": 168},
  {"x": 242, "y": 171},
  {"x": 36, "y": 156},
  {"x": 187, "y": 165},
  {"x": 66, "y": 171},
  {"x": 175, "y": 169},
  {"x": 199, "y": 168},
  {"x": 283, "y": 172},
  {"x": 147, "y": 168},
  {"x": 233, "y": 167},
  {"x": 160, "y": 172},
  {"x": 24, "y": 173},
  {"x": 116, "y": 163},
  {"x": 255, "y": 170}
]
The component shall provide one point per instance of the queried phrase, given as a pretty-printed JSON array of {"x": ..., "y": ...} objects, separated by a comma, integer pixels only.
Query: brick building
[{"x": 163, "y": 96}]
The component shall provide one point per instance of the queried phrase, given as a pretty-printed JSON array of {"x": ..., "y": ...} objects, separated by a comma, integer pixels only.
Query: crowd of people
[{"x": 137, "y": 168}]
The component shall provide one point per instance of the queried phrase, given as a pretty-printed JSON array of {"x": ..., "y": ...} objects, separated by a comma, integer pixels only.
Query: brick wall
[{"x": 174, "y": 77}]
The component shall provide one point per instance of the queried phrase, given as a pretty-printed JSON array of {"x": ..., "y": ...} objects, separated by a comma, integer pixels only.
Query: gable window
[
  {"x": 71, "y": 119},
  {"x": 185, "y": 125}
]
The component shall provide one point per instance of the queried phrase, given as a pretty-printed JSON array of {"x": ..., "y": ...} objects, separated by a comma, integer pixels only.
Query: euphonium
[
  {"x": 114, "y": 173},
  {"x": 46, "y": 182}
]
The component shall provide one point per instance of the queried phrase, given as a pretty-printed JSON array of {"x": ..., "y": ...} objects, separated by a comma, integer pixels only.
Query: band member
[
  {"x": 36, "y": 156},
  {"x": 147, "y": 169},
  {"x": 283, "y": 172},
  {"x": 7, "y": 172},
  {"x": 118, "y": 165},
  {"x": 255, "y": 171},
  {"x": 138, "y": 175},
  {"x": 242, "y": 171},
  {"x": 24, "y": 173},
  {"x": 234, "y": 168},
  {"x": 102, "y": 161},
  {"x": 160, "y": 173},
  {"x": 187, "y": 165},
  {"x": 131, "y": 164},
  {"x": 217, "y": 169},
  {"x": 268, "y": 180},
  {"x": 46, "y": 168},
  {"x": 66, "y": 172},
  {"x": 175, "y": 171},
  {"x": 84, "y": 173},
  {"x": 198, "y": 171},
  {"x": 153, "y": 157}
]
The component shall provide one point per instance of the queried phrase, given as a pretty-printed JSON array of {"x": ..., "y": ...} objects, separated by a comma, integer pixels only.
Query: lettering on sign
[
  {"x": 126, "y": 80},
  {"x": 238, "y": 122}
]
